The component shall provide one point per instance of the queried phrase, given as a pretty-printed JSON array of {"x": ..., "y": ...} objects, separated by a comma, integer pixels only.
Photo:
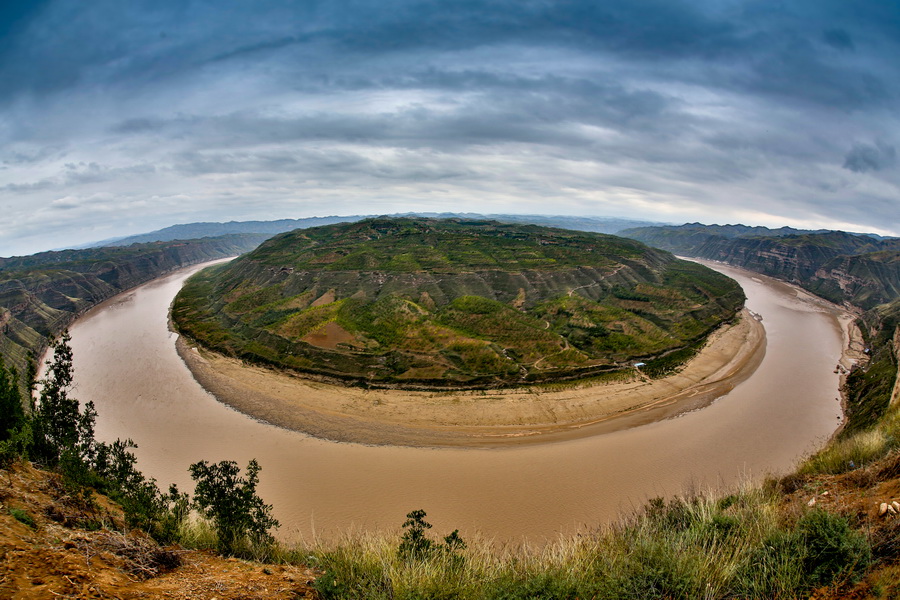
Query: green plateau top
[{"x": 454, "y": 303}]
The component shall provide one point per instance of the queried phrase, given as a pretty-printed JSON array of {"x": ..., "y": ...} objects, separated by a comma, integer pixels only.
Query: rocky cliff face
[
  {"x": 844, "y": 268},
  {"x": 41, "y": 294},
  {"x": 865, "y": 280},
  {"x": 872, "y": 387},
  {"x": 839, "y": 266},
  {"x": 895, "y": 395}
]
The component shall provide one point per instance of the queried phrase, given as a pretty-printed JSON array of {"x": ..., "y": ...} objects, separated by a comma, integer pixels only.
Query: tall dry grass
[
  {"x": 858, "y": 449},
  {"x": 738, "y": 546}
]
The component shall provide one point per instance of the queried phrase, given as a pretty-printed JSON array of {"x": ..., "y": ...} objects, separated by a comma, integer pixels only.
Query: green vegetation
[
  {"x": 416, "y": 546},
  {"x": 22, "y": 517},
  {"x": 41, "y": 294},
  {"x": 838, "y": 266},
  {"x": 872, "y": 429},
  {"x": 739, "y": 546},
  {"x": 12, "y": 413},
  {"x": 749, "y": 544},
  {"x": 868, "y": 388},
  {"x": 58, "y": 434},
  {"x": 61, "y": 431},
  {"x": 421, "y": 302},
  {"x": 230, "y": 502}
]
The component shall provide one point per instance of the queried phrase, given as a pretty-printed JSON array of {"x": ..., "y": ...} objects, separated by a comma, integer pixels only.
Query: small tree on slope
[
  {"x": 231, "y": 503},
  {"x": 62, "y": 431}
]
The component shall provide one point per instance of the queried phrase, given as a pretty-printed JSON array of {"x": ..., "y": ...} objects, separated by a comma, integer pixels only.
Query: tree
[
  {"x": 12, "y": 414},
  {"x": 415, "y": 545},
  {"x": 62, "y": 431},
  {"x": 230, "y": 502},
  {"x": 145, "y": 506},
  {"x": 15, "y": 433}
]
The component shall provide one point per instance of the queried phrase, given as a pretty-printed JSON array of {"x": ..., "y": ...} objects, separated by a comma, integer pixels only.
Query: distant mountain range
[{"x": 191, "y": 231}]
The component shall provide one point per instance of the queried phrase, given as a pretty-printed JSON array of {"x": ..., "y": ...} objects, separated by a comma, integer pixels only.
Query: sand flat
[{"x": 480, "y": 417}]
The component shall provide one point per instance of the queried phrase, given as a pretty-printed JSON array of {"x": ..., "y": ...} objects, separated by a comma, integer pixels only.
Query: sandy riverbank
[
  {"x": 479, "y": 418},
  {"x": 852, "y": 342}
]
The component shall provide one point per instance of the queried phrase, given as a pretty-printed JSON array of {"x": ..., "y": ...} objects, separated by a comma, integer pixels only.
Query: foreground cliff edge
[{"x": 815, "y": 535}]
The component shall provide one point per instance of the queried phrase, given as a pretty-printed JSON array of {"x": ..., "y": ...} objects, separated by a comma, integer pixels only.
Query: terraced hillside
[
  {"x": 41, "y": 294},
  {"x": 420, "y": 302},
  {"x": 839, "y": 266}
]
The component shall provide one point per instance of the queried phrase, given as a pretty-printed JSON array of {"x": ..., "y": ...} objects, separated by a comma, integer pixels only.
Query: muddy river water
[{"x": 126, "y": 363}]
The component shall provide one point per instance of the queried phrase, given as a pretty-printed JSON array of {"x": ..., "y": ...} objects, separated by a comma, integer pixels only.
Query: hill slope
[
  {"x": 835, "y": 265},
  {"x": 58, "y": 544},
  {"x": 42, "y": 293},
  {"x": 449, "y": 302}
]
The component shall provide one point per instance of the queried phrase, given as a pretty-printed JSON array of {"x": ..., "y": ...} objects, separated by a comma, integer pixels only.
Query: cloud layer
[{"x": 119, "y": 117}]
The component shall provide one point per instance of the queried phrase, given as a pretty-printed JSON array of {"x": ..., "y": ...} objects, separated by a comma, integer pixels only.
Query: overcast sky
[{"x": 123, "y": 117}]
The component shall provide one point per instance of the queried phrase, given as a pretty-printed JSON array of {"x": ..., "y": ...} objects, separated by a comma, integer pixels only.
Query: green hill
[{"x": 424, "y": 302}]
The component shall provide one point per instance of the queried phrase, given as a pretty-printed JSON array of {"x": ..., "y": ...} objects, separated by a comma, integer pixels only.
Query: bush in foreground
[{"x": 230, "y": 502}]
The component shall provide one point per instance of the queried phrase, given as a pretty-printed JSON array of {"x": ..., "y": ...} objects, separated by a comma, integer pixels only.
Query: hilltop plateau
[{"x": 451, "y": 303}]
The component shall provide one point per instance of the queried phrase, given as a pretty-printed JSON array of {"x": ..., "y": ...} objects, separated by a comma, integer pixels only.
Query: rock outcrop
[{"x": 839, "y": 266}]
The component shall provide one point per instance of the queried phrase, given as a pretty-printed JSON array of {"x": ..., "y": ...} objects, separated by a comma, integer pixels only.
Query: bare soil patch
[
  {"x": 77, "y": 550},
  {"x": 331, "y": 335}
]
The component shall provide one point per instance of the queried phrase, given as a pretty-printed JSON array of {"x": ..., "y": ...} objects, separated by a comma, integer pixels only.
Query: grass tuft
[{"x": 22, "y": 517}]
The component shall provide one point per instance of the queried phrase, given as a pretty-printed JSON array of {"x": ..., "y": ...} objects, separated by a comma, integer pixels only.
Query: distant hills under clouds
[{"x": 200, "y": 230}]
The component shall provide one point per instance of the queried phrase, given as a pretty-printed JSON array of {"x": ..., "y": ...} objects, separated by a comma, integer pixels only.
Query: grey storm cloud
[
  {"x": 761, "y": 45},
  {"x": 668, "y": 109},
  {"x": 838, "y": 38},
  {"x": 868, "y": 157}
]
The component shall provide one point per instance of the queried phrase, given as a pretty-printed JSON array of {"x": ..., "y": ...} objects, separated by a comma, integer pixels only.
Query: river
[{"x": 126, "y": 363}]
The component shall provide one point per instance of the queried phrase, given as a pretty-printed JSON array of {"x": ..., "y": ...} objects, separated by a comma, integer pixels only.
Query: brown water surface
[{"x": 126, "y": 363}]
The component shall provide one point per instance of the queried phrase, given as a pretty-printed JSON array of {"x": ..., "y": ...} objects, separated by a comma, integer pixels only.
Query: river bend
[{"x": 126, "y": 363}]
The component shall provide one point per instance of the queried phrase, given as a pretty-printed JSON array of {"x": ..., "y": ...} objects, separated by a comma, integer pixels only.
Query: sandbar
[{"x": 479, "y": 418}]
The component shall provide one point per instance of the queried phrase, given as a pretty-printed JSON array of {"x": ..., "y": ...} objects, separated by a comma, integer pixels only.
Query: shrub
[
  {"x": 231, "y": 503},
  {"x": 832, "y": 548},
  {"x": 16, "y": 446},
  {"x": 145, "y": 506},
  {"x": 821, "y": 550},
  {"x": 414, "y": 545},
  {"x": 22, "y": 517}
]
